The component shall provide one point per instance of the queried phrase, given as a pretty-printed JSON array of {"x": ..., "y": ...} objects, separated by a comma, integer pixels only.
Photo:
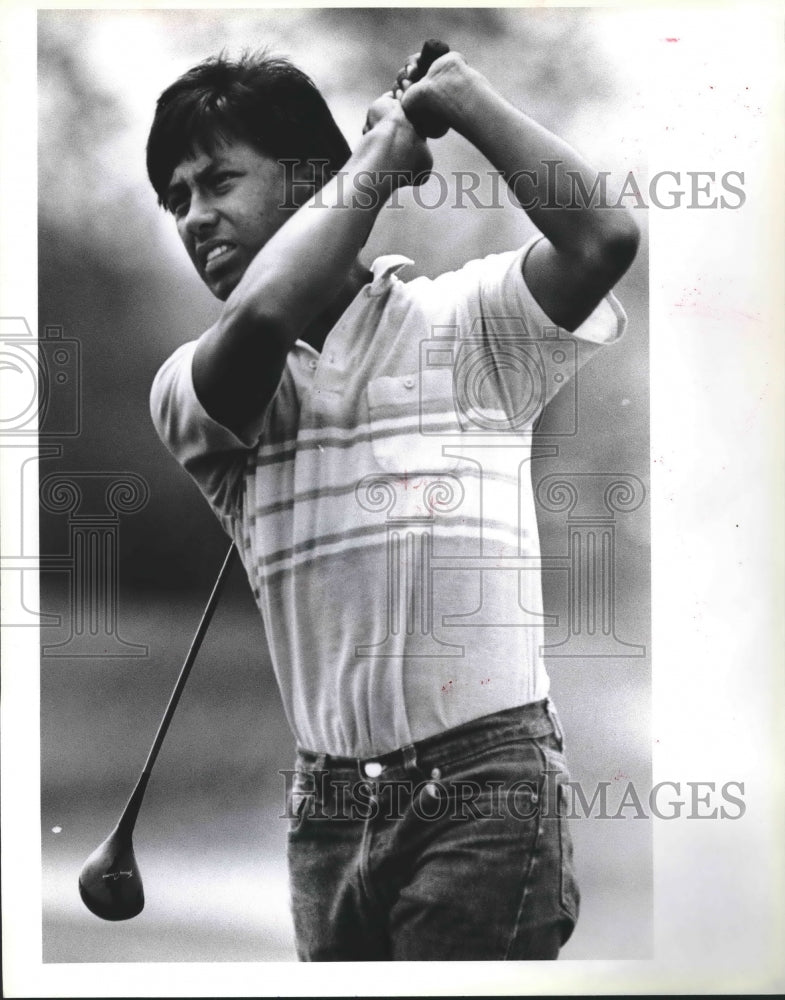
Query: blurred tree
[{"x": 110, "y": 270}]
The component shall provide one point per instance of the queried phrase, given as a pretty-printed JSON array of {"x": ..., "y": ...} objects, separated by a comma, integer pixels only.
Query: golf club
[
  {"x": 428, "y": 127},
  {"x": 110, "y": 884}
]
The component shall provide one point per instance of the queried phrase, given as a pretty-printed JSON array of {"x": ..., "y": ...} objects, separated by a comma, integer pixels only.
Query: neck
[{"x": 316, "y": 332}]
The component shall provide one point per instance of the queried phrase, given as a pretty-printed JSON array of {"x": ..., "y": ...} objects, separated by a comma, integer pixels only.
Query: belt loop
[
  {"x": 320, "y": 762},
  {"x": 556, "y": 722},
  {"x": 409, "y": 757}
]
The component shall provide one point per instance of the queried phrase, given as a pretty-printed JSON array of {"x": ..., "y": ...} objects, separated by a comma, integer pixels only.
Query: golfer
[{"x": 364, "y": 440}]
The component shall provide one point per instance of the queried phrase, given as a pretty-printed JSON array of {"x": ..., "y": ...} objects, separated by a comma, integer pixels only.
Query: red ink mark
[
  {"x": 486, "y": 681},
  {"x": 447, "y": 686},
  {"x": 620, "y": 775},
  {"x": 671, "y": 39},
  {"x": 406, "y": 481},
  {"x": 708, "y": 312}
]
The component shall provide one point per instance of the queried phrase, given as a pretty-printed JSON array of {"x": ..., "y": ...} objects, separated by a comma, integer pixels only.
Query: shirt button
[
  {"x": 332, "y": 359},
  {"x": 373, "y": 769},
  {"x": 436, "y": 774},
  {"x": 430, "y": 788},
  {"x": 312, "y": 364},
  {"x": 409, "y": 383}
]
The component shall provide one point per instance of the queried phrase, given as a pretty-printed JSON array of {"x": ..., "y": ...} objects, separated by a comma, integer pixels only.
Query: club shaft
[{"x": 186, "y": 668}]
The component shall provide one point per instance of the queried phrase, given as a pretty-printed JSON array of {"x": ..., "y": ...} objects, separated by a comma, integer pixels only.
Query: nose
[{"x": 201, "y": 216}]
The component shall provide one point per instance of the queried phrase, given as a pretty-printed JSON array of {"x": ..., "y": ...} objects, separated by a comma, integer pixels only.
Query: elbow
[
  {"x": 618, "y": 246},
  {"x": 252, "y": 323}
]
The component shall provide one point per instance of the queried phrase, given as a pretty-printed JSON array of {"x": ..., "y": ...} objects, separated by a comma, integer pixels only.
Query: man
[{"x": 328, "y": 416}]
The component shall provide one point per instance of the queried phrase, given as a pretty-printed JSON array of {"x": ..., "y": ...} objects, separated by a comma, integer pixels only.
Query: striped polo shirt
[{"x": 382, "y": 504}]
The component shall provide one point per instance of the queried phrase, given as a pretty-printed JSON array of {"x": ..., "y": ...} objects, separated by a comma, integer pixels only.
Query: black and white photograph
[{"x": 392, "y": 488}]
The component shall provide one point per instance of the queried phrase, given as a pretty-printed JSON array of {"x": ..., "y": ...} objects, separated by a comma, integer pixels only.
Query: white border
[{"x": 717, "y": 602}]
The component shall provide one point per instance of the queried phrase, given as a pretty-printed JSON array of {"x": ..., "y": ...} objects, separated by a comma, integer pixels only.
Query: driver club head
[{"x": 110, "y": 884}]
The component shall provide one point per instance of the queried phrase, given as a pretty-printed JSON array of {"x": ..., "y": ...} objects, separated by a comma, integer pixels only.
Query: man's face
[{"x": 227, "y": 204}]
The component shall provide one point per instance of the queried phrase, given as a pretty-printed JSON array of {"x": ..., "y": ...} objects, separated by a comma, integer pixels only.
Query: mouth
[{"x": 215, "y": 255}]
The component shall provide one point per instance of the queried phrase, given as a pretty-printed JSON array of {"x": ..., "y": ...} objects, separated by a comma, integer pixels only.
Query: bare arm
[
  {"x": 298, "y": 273},
  {"x": 586, "y": 249}
]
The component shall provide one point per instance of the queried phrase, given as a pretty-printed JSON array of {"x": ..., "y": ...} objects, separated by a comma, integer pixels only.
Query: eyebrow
[{"x": 179, "y": 187}]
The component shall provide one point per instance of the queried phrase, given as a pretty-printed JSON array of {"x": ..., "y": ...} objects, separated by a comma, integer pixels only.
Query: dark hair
[{"x": 263, "y": 100}]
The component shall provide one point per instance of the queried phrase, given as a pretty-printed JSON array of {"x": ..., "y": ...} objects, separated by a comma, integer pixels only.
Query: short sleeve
[
  {"x": 534, "y": 358},
  {"x": 504, "y": 292},
  {"x": 211, "y": 454}
]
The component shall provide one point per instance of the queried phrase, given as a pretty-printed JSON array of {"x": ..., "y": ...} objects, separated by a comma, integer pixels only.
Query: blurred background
[{"x": 210, "y": 841}]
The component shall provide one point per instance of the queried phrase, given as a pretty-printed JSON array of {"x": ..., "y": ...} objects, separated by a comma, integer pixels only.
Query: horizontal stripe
[
  {"x": 348, "y": 488},
  {"x": 351, "y": 430},
  {"x": 439, "y": 425},
  {"x": 480, "y": 536},
  {"x": 275, "y": 574}
]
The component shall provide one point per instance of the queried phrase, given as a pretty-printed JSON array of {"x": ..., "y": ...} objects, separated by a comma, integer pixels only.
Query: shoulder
[
  {"x": 170, "y": 384},
  {"x": 493, "y": 291},
  {"x": 181, "y": 421}
]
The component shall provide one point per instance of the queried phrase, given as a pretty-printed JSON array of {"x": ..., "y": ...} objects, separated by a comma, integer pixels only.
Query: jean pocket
[
  {"x": 508, "y": 756},
  {"x": 505, "y": 778},
  {"x": 301, "y": 799},
  {"x": 557, "y": 777},
  {"x": 568, "y": 884}
]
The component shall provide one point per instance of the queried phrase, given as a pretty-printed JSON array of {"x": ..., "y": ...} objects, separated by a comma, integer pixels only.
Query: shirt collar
[{"x": 383, "y": 270}]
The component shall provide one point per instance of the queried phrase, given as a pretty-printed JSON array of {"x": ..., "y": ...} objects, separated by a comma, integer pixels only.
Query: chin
[
  {"x": 222, "y": 289},
  {"x": 223, "y": 285}
]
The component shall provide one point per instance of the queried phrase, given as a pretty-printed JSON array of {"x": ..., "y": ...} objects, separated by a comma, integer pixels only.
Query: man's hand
[
  {"x": 587, "y": 248},
  {"x": 428, "y": 99},
  {"x": 407, "y": 154}
]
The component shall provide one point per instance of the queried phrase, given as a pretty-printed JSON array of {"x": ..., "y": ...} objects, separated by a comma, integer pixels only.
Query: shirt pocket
[{"x": 412, "y": 419}]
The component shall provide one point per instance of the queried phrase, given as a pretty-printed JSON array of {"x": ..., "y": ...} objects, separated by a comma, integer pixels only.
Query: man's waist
[{"x": 530, "y": 721}]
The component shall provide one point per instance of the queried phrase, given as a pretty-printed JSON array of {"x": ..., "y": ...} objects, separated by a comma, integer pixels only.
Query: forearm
[
  {"x": 301, "y": 269},
  {"x": 543, "y": 171},
  {"x": 301, "y": 274}
]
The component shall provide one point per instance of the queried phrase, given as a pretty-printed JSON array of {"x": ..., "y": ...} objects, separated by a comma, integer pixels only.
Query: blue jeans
[{"x": 454, "y": 847}]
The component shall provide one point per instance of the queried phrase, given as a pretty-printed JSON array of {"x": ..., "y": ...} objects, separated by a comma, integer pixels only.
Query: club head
[{"x": 110, "y": 884}]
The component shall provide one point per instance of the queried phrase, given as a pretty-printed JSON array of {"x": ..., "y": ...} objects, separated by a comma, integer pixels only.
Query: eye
[
  {"x": 177, "y": 205},
  {"x": 222, "y": 179}
]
